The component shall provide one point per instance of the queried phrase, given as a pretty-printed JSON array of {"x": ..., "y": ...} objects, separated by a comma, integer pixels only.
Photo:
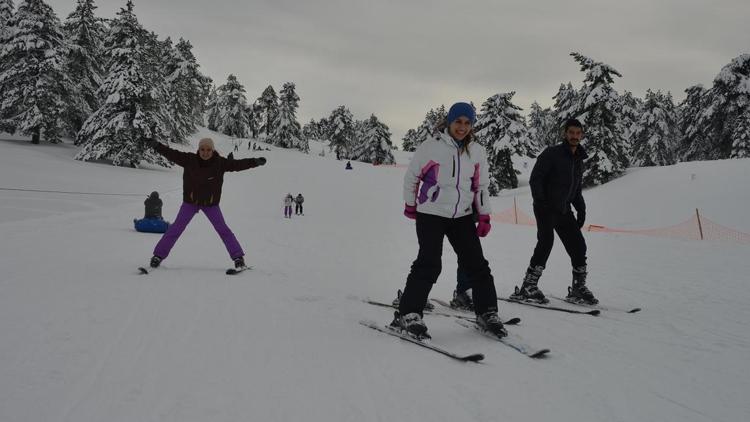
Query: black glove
[
  {"x": 581, "y": 218},
  {"x": 260, "y": 160}
]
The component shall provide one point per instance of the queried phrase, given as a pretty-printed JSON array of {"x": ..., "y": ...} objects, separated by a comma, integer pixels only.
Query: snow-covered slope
[{"x": 84, "y": 338}]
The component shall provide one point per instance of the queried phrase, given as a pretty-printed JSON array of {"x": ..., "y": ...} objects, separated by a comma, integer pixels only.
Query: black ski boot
[
  {"x": 155, "y": 261},
  {"x": 578, "y": 292},
  {"x": 428, "y": 306},
  {"x": 529, "y": 292},
  {"x": 410, "y": 323},
  {"x": 490, "y": 322},
  {"x": 462, "y": 300},
  {"x": 239, "y": 263}
]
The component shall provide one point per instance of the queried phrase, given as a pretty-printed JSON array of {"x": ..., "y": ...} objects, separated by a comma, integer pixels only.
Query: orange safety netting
[{"x": 695, "y": 228}]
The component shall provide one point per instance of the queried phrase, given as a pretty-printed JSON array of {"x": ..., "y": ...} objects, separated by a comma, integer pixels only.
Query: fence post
[
  {"x": 700, "y": 226},
  {"x": 515, "y": 211}
]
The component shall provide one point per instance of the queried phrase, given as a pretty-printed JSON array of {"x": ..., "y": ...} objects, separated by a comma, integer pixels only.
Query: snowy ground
[{"x": 86, "y": 339}]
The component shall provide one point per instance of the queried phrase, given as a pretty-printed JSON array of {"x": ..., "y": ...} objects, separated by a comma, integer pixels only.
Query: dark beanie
[{"x": 461, "y": 109}]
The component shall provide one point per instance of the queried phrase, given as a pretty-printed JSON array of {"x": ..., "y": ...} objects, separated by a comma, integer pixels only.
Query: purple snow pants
[
  {"x": 186, "y": 213},
  {"x": 288, "y": 211}
]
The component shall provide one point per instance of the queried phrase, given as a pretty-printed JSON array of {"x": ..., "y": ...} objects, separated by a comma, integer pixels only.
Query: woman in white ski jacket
[{"x": 446, "y": 180}]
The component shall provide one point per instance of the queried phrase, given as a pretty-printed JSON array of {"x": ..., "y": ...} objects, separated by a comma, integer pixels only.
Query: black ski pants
[
  {"x": 549, "y": 221},
  {"x": 298, "y": 208},
  {"x": 462, "y": 235}
]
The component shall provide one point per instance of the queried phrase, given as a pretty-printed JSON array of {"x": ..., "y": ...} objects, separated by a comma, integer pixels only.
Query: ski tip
[
  {"x": 477, "y": 357},
  {"x": 634, "y": 310},
  {"x": 539, "y": 354},
  {"x": 142, "y": 271},
  {"x": 513, "y": 321}
]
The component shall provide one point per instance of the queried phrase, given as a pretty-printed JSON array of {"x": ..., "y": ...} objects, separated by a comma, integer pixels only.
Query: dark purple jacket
[{"x": 202, "y": 179}]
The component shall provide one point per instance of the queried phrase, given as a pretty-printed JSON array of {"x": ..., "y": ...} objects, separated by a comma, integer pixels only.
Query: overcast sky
[{"x": 397, "y": 59}]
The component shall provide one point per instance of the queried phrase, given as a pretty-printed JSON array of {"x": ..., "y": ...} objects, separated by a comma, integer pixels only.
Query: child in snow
[
  {"x": 202, "y": 179},
  {"x": 153, "y": 206},
  {"x": 446, "y": 177}
]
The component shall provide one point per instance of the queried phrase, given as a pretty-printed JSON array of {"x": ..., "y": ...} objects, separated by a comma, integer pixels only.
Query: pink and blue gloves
[
  {"x": 410, "y": 211},
  {"x": 484, "y": 226}
]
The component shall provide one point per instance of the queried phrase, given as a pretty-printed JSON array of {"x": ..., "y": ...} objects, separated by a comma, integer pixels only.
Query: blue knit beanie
[{"x": 461, "y": 109}]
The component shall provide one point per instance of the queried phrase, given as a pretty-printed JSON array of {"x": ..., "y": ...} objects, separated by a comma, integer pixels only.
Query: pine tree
[
  {"x": 311, "y": 130},
  {"x": 33, "y": 81},
  {"x": 6, "y": 12},
  {"x": 287, "y": 132},
  {"x": 185, "y": 85},
  {"x": 502, "y": 129},
  {"x": 541, "y": 125},
  {"x": 409, "y": 141},
  {"x": 269, "y": 110},
  {"x": 84, "y": 34},
  {"x": 629, "y": 109},
  {"x": 231, "y": 116},
  {"x": 376, "y": 141},
  {"x": 341, "y": 132},
  {"x": 741, "y": 135},
  {"x": 726, "y": 110},
  {"x": 693, "y": 142},
  {"x": 212, "y": 108},
  {"x": 134, "y": 93},
  {"x": 603, "y": 139},
  {"x": 654, "y": 135}
]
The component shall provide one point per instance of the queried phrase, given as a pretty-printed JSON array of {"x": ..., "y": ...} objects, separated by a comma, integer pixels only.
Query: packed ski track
[{"x": 86, "y": 338}]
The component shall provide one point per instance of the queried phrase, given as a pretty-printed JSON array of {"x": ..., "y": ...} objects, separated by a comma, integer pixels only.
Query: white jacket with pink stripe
[{"x": 442, "y": 181}]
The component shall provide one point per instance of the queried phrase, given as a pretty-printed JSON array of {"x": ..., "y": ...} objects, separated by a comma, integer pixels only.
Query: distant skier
[
  {"x": 153, "y": 206},
  {"x": 348, "y": 165},
  {"x": 442, "y": 207},
  {"x": 288, "y": 201},
  {"x": 202, "y": 180},
  {"x": 230, "y": 156},
  {"x": 298, "y": 201},
  {"x": 556, "y": 184}
]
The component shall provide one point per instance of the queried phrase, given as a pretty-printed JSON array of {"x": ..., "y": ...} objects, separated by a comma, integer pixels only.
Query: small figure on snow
[
  {"x": 298, "y": 201},
  {"x": 348, "y": 165},
  {"x": 556, "y": 184},
  {"x": 153, "y": 206},
  {"x": 202, "y": 180},
  {"x": 288, "y": 201},
  {"x": 441, "y": 203}
]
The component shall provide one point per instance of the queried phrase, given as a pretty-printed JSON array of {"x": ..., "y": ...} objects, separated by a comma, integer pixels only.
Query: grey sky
[{"x": 397, "y": 59}]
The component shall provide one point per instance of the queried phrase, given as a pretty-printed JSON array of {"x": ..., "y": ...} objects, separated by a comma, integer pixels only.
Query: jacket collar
[{"x": 580, "y": 150}]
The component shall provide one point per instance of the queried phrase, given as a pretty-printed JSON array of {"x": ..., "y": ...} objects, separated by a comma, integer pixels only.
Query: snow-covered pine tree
[
  {"x": 541, "y": 124},
  {"x": 629, "y": 108},
  {"x": 212, "y": 108},
  {"x": 603, "y": 139},
  {"x": 185, "y": 85},
  {"x": 287, "y": 132},
  {"x": 311, "y": 130},
  {"x": 502, "y": 129},
  {"x": 6, "y": 13},
  {"x": 431, "y": 121},
  {"x": 409, "y": 141},
  {"x": 727, "y": 109},
  {"x": 654, "y": 134},
  {"x": 341, "y": 132},
  {"x": 232, "y": 116},
  {"x": 134, "y": 92},
  {"x": 269, "y": 109},
  {"x": 84, "y": 34},
  {"x": 33, "y": 81},
  {"x": 693, "y": 143},
  {"x": 376, "y": 143}
]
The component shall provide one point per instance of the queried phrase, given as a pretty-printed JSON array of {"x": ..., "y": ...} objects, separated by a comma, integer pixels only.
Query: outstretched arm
[
  {"x": 243, "y": 164},
  {"x": 178, "y": 157}
]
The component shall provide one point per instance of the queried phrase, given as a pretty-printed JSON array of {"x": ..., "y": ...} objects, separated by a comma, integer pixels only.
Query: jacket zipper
[
  {"x": 454, "y": 166},
  {"x": 458, "y": 180}
]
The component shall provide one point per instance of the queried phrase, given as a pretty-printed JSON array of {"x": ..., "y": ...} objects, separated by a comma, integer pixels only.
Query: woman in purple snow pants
[{"x": 202, "y": 180}]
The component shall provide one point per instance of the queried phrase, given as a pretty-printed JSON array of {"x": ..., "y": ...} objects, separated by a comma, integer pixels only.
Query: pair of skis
[
  {"x": 229, "y": 271},
  {"x": 511, "y": 340},
  {"x": 584, "y": 309}
]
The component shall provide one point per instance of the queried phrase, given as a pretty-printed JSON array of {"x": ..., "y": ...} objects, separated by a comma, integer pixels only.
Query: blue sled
[{"x": 151, "y": 225}]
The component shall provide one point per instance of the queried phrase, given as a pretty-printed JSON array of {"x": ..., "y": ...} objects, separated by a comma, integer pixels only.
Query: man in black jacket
[{"x": 556, "y": 182}]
